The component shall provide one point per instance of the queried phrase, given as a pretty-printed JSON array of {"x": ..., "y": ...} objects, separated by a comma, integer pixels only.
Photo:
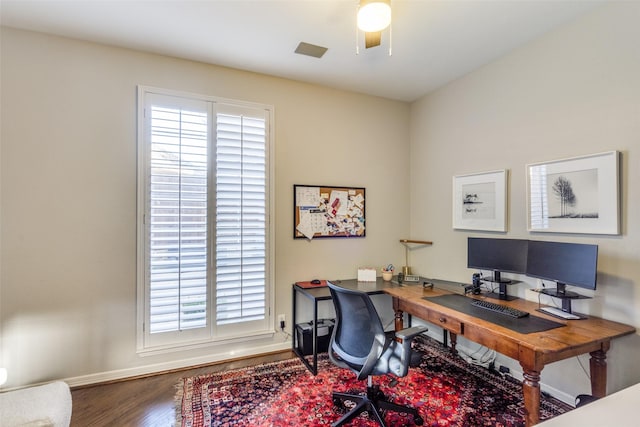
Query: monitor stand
[
  {"x": 502, "y": 293},
  {"x": 565, "y": 296}
]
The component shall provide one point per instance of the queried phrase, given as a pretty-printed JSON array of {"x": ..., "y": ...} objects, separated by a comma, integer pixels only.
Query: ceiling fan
[{"x": 374, "y": 16}]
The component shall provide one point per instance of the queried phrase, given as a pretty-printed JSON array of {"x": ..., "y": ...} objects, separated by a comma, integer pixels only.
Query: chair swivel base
[{"x": 374, "y": 402}]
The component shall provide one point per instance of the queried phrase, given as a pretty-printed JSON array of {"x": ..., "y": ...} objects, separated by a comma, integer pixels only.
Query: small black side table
[{"x": 323, "y": 294}]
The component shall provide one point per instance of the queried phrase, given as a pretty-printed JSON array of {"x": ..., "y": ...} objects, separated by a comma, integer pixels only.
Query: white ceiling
[{"x": 433, "y": 41}]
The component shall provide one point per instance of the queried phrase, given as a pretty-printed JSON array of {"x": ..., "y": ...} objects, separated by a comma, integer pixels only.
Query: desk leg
[
  {"x": 454, "y": 341},
  {"x": 531, "y": 392},
  {"x": 598, "y": 367},
  {"x": 399, "y": 320},
  {"x": 314, "y": 334},
  {"x": 294, "y": 336}
]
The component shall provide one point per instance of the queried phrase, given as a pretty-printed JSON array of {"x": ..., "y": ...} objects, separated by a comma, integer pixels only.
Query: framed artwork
[
  {"x": 480, "y": 201},
  {"x": 576, "y": 195},
  {"x": 326, "y": 211}
]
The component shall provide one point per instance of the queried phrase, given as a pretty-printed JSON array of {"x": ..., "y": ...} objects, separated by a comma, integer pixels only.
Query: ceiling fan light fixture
[{"x": 374, "y": 15}]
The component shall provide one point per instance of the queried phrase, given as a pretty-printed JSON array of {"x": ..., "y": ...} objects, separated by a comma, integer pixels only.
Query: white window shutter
[
  {"x": 177, "y": 219},
  {"x": 241, "y": 216}
]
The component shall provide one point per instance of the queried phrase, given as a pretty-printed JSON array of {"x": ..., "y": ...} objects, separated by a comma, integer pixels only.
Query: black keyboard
[{"x": 499, "y": 308}]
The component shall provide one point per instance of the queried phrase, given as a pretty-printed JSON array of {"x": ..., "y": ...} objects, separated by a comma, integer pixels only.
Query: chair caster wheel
[
  {"x": 338, "y": 403},
  {"x": 418, "y": 421}
]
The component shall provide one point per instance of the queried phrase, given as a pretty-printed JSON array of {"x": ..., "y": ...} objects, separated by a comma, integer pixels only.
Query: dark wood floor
[{"x": 144, "y": 402}]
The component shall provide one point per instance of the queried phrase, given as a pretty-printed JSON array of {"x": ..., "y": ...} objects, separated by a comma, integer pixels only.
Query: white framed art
[
  {"x": 575, "y": 195},
  {"x": 480, "y": 201}
]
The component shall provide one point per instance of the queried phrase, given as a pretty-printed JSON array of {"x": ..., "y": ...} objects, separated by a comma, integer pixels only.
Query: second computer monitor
[{"x": 564, "y": 263}]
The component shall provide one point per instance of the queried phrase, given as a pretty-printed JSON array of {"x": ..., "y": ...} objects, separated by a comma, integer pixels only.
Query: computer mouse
[{"x": 315, "y": 282}]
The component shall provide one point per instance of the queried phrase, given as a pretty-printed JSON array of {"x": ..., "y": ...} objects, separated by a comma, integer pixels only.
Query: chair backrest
[{"x": 357, "y": 326}]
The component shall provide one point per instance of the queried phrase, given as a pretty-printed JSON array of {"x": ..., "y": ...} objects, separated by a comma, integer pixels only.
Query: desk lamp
[{"x": 406, "y": 270}]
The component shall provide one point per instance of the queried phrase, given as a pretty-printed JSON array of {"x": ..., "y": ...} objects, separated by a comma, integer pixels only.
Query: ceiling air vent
[{"x": 310, "y": 50}]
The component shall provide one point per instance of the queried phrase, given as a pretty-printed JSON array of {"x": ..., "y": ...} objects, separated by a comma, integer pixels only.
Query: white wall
[
  {"x": 573, "y": 92},
  {"x": 68, "y": 197}
]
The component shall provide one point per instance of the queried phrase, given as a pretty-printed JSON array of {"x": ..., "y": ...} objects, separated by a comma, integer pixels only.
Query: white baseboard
[{"x": 121, "y": 374}]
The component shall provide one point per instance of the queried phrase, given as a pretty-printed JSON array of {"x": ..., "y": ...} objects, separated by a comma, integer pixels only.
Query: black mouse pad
[{"x": 523, "y": 325}]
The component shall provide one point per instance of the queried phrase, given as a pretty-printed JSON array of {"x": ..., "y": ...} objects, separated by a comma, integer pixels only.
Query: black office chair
[{"x": 360, "y": 344}]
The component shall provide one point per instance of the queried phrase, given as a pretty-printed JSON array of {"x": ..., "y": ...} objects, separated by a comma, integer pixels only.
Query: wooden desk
[{"x": 533, "y": 351}]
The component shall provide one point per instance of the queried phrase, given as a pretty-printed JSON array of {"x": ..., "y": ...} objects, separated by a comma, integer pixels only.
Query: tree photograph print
[
  {"x": 576, "y": 195},
  {"x": 573, "y": 194},
  {"x": 479, "y": 200}
]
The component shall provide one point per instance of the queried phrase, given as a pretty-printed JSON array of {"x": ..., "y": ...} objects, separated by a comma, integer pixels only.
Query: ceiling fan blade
[{"x": 372, "y": 39}]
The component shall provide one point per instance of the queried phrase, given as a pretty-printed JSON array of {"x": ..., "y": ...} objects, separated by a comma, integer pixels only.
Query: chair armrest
[{"x": 410, "y": 333}]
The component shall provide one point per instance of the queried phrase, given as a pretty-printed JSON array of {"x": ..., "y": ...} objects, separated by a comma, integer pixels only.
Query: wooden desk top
[
  {"x": 576, "y": 337},
  {"x": 322, "y": 292}
]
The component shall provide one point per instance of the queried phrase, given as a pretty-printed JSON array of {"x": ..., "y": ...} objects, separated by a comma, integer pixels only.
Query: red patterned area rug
[{"x": 446, "y": 390}]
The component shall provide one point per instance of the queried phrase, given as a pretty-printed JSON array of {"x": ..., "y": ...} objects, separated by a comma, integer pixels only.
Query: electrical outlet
[{"x": 281, "y": 321}]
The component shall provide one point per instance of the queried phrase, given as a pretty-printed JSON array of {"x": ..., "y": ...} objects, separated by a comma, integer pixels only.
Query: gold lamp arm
[
  {"x": 420, "y": 242},
  {"x": 407, "y": 242}
]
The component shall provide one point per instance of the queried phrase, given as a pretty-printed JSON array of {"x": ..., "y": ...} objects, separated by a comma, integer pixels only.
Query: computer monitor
[
  {"x": 564, "y": 263},
  {"x": 498, "y": 256}
]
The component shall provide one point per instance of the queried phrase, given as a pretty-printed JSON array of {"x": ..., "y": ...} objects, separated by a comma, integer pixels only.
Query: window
[{"x": 204, "y": 230}]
